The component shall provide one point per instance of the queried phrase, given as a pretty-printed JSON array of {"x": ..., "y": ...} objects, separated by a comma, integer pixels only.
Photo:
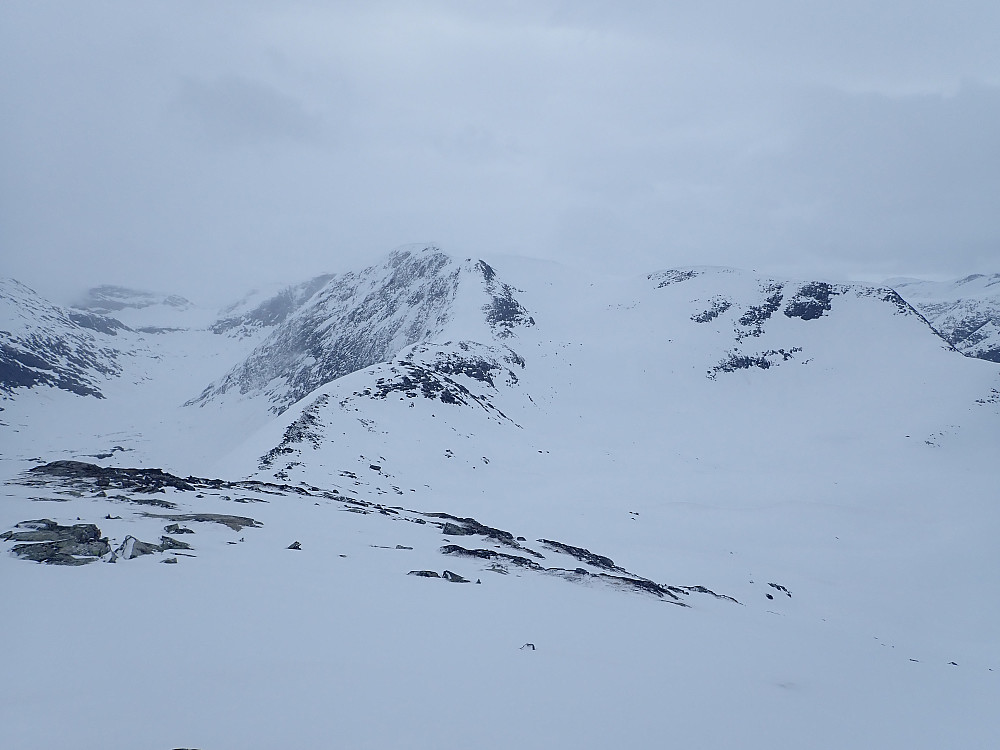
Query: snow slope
[
  {"x": 812, "y": 453},
  {"x": 78, "y": 384},
  {"x": 966, "y": 312}
]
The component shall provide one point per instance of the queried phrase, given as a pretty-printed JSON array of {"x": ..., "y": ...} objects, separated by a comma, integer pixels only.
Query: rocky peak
[{"x": 361, "y": 318}]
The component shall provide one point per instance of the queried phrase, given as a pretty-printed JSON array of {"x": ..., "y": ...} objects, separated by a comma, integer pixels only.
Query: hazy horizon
[{"x": 204, "y": 149}]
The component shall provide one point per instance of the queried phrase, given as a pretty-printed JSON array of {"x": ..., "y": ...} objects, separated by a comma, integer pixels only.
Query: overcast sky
[{"x": 203, "y": 147}]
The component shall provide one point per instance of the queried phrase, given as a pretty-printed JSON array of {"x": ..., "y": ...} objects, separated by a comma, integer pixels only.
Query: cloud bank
[{"x": 206, "y": 147}]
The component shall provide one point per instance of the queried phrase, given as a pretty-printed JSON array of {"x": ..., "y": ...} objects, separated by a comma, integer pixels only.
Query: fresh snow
[{"x": 632, "y": 417}]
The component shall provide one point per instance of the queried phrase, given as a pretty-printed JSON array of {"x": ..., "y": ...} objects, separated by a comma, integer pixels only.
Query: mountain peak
[
  {"x": 353, "y": 320},
  {"x": 109, "y": 298}
]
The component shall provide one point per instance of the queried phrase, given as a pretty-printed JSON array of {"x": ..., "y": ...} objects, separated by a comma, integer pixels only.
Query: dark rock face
[
  {"x": 489, "y": 554},
  {"x": 764, "y": 360},
  {"x": 503, "y": 312},
  {"x": 305, "y": 429},
  {"x": 137, "y": 480},
  {"x": 718, "y": 306},
  {"x": 233, "y": 522},
  {"x": 992, "y": 398},
  {"x": 626, "y": 580},
  {"x": 431, "y": 374},
  {"x": 167, "y": 543},
  {"x": 453, "y": 577},
  {"x": 641, "y": 584},
  {"x": 583, "y": 555},
  {"x": 891, "y": 296},
  {"x": 756, "y": 315},
  {"x": 85, "y": 476},
  {"x": 99, "y": 323},
  {"x": 811, "y": 300},
  {"x": 131, "y": 547},
  {"x": 703, "y": 590},
  {"x": 780, "y": 588},
  {"x": 417, "y": 378},
  {"x": 48, "y": 542},
  {"x": 423, "y": 573},
  {"x": 673, "y": 276},
  {"x": 45, "y": 530},
  {"x": 21, "y": 368},
  {"x": 455, "y": 526}
]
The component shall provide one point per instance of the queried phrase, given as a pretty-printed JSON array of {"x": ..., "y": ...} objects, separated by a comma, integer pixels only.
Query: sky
[{"x": 203, "y": 148}]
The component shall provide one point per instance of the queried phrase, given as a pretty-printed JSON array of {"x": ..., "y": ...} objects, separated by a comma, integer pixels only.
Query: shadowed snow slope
[{"x": 807, "y": 467}]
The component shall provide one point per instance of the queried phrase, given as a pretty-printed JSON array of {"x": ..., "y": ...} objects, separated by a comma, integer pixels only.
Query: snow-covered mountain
[
  {"x": 108, "y": 299},
  {"x": 966, "y": 312},
  {"x": 351, "y": 321},
  {"x": 263, "y": 309},
  {"x": 150, "y": 312},
  {"x": 42, "y": 344},
  {"x": 442, "y": 498}
]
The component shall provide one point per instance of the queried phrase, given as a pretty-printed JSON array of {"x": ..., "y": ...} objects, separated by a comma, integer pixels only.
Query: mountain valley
[{"x": 803, "y": 470}]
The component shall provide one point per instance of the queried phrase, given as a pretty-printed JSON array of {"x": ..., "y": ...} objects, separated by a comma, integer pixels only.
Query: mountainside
[
  {"x": 147, "y": 312},
  {"x": 966, "y": 312},
  {"x": 358, "y": 319},
  {"x": 259, "y": 310},
  {"x": 636, "y": 379},
  {"x": 440, "y": 498},
  {"x": 43, "y": 344}
]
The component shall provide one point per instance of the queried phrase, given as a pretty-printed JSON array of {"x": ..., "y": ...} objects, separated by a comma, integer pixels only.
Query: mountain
[
  {"x": 44, "y": 344},
  {"x": 442, "y": 500},
  {"x": 966, "y": 312},
  {"x": 632, "y": 384},
  {"x": 261, "y": 310},
  {"x": 149, "y": 312},
  {"x": 357, "y": 319}
]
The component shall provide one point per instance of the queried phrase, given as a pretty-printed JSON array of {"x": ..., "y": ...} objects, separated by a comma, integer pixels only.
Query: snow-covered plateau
[{"x": 449, "y": 502}]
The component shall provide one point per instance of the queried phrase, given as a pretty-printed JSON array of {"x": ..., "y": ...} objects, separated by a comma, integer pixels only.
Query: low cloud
[
  {"x": 220, "y": 145},
  {"x": 235, "y": 109}
]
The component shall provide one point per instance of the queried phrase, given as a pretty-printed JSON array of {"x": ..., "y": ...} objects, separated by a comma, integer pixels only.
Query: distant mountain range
[{"x": 302, "y": 336}]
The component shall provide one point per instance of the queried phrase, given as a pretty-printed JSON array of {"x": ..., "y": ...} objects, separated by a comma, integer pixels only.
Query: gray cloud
[
  {"x": 233, "y": 109},
  {"x": 210, "y": 146}
]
